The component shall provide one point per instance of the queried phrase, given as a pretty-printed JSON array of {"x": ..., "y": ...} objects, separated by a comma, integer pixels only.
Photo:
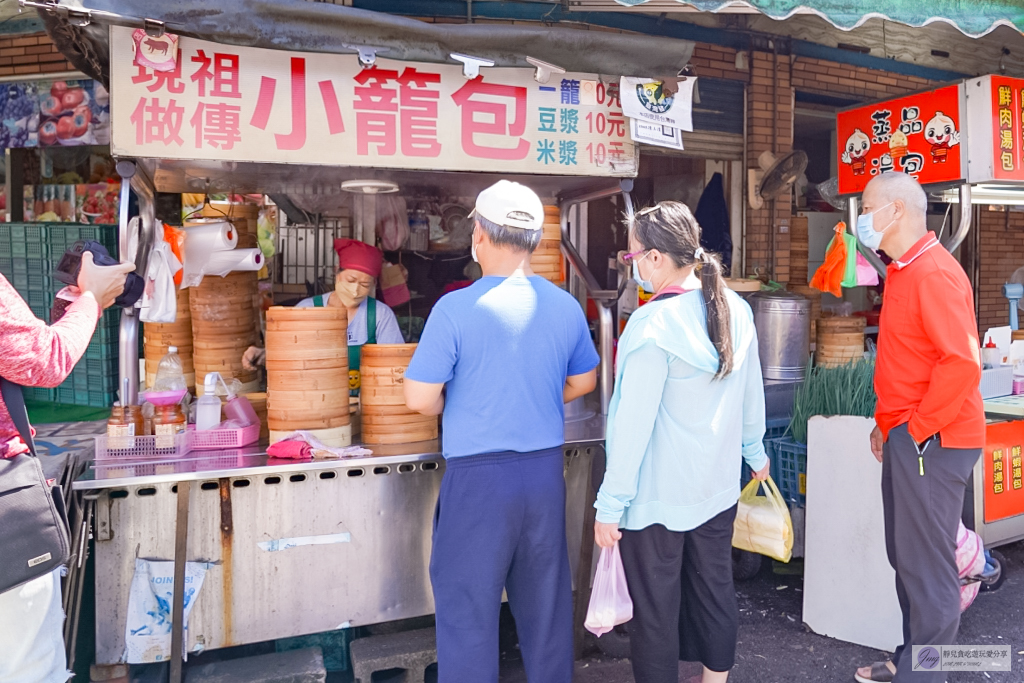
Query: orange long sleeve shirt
[{"x": 929, "y": 363}]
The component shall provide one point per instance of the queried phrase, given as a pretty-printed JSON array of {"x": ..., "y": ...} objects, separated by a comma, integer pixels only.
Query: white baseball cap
[{"x": 511, "y": 205}]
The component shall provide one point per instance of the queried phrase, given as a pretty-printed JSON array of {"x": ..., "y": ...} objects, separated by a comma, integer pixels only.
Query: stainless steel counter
[
  {"x": 376, "y": 511},
  {"x": 242, "y": 462}
]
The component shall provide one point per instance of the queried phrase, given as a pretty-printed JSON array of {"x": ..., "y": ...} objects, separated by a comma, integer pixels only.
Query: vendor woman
[{"x": 369, "y": 321}]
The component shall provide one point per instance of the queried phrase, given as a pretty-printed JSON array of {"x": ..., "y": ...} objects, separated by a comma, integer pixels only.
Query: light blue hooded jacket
[{"x": 677, "y": 436}]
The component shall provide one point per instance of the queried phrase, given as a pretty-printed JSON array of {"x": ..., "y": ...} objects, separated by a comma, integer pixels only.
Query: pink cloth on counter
[
  {"x": 35, "y": 354},
  {"x": 294, "y": 450}
]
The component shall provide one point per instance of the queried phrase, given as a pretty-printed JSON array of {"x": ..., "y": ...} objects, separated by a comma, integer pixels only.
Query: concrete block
[
  {"x": 413, "y": 651},
  {"x": 294, "y": 666},
  {"x": 107, "y": 672}
]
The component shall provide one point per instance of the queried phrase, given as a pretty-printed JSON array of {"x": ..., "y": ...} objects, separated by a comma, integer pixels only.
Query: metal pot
[{"x": 783, "y": 323}]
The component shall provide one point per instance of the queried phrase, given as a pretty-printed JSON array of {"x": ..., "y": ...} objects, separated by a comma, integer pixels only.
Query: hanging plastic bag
[
  {"x": 610, "y": 604},
  {"x": 866, "y": 273},
  {"x": 159, "y": 299},
  {"x": 392, "y": 222},
  {"x": 850, "y": 272},
  {"x": 970, "y": 561},
  {"x": 763, "y": 524},
  {"x": 829, "y": 276}
]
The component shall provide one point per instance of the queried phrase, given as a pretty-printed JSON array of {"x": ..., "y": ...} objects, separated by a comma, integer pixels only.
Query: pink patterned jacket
[{"x": 35, "y": 354}]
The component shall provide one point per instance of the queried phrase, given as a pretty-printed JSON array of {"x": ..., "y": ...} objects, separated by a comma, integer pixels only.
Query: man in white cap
[{"x": 499, "y": 359}]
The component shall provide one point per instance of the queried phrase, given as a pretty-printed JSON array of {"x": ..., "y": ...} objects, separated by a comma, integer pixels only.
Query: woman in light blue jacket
[{"x": 688, "y": 409}]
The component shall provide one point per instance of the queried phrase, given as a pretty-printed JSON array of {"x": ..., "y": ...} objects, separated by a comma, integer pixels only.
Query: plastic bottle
[
  {"x": 990, "y": 355},
  {"x": 1018, "y": 378},
  {"x": 239, "y": 409},
  {"x": 208, "y": 405},
  {"x": 169, "y": 374}
]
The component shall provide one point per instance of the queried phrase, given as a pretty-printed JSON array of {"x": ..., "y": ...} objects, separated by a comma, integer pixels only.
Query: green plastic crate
[
  {"x": 65, "y": 393},
  {"x": 39, "y": 394},
  {"x": 5, "y": 233},
  {"x": 35, "y": 233},
  {"x": 7, "y": 266},
  {"x": 17, "y": 232}
]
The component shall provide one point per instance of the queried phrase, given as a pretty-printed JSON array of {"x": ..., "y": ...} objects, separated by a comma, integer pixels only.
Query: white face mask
[
  {"x": 472, "y": 252},
  {"x": 866, "y": 232}
]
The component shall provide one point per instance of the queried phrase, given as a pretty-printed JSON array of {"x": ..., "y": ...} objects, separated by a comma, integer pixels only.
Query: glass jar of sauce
[
  {"x": 124, "y": 423},
  {"x": 168, "y": 422}
]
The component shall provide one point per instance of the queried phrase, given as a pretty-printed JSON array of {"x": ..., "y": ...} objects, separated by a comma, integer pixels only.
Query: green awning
[{"x": 973, "y": 17}]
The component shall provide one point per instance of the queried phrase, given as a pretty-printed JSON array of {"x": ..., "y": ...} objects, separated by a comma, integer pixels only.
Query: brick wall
[
  {"x": 30, "y": 54},
  {"x": 1001, "y": 253}
]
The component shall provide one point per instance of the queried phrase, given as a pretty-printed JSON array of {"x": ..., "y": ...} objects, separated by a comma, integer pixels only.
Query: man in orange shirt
[{"x": 930, "y": 420}]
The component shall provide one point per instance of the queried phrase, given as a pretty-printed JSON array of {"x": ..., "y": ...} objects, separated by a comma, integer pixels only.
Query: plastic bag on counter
[
  {"x": 610, "y": 604},
  {"x": 392, "y": 221}
]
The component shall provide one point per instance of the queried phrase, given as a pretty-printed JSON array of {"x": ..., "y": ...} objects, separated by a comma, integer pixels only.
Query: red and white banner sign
[{"x": 248, "y": 104}]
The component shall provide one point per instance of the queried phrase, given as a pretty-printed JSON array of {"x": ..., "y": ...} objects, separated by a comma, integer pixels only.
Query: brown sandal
[{"x": 880, "y": 673}]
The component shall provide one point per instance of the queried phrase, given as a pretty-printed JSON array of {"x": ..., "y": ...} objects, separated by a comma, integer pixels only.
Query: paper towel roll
[
  {"x": 223, "y": 262},
  {"x": 210, "y": 237}
]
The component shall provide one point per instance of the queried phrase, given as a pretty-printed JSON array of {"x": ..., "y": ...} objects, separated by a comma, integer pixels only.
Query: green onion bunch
[{"x": 840, "y": 390}]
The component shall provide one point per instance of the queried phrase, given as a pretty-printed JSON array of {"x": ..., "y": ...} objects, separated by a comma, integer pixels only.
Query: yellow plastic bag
[{"x": 763, "y": 524}]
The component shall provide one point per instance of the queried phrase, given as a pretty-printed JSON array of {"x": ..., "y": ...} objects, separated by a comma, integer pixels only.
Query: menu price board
[
  {"x": 918, "y": 134},
  {"x": 226, "y": 102}
]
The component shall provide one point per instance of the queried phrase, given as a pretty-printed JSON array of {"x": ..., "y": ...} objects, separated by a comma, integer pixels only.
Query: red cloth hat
[{"x": 359, "y": 256}]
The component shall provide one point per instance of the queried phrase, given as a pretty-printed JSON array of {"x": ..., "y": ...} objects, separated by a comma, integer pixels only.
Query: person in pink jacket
[{"x": 35, "y": 354}]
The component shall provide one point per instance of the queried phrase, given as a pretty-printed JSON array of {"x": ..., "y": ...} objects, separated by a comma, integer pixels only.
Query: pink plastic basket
[{"x": 213, "y": 439}]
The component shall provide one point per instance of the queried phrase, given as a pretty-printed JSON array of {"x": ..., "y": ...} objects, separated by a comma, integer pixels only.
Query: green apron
[{"x": 354, "y": 380}]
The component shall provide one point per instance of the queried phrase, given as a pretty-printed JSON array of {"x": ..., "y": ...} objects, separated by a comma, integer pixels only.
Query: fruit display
[
  {"x": 96, "y": 203},
  {"x": 19, "y": 113},
  {"x": 73, "y": 113}
]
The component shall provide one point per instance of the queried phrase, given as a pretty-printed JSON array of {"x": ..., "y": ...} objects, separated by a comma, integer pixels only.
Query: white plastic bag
[
  {"x": 159, "y": 299},
  {"x": 148, "y": 626},
  {"x": 610, "y": 604},
  {"x": 763, "y": 524},
  {"x": 392, "y": 221},
  {"x": 970, "y": 561}
]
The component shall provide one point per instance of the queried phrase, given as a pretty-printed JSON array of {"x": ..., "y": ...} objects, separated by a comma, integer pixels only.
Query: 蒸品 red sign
[{"x": 917, "y": 134}]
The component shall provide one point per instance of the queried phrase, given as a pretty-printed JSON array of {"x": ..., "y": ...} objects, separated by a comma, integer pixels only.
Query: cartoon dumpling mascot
[
  {"x": 856, "y": 152},
  {"x": 941, "y": 134}
]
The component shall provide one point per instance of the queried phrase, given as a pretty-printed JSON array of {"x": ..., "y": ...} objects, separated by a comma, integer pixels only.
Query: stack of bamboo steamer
[
  {"x": 815, "y": 296},
  {"x": 224, "y": 325},
  {"x": 385, "y": 419},
  {"x": 798, "y": 249},
  {"x": 157, "y": 337},
  {"x": 243, "y": 216},
  {"x": 547, "y": 260},
  {"x": 840, "y": 340},
  {"x": 307, "y": 373}
]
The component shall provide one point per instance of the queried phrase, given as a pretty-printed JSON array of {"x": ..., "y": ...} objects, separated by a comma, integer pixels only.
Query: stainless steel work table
[{"x": 376, "y": 511}]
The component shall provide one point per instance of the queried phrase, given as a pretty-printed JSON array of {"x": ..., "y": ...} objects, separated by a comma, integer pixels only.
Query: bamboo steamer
[
  {"x": 839, "y": 340},
  {"x": 224, "y": 324},
  {"x": 815, "y": 296},
  {"x": 307, "y": 373},
  {"x": 385, "y": 418},
  {"x": 547, "y": 260},
  {"x": 1017, "y": 335},
  {"x": 158, "y": 337},
  {"x": 798, "y": 249}
]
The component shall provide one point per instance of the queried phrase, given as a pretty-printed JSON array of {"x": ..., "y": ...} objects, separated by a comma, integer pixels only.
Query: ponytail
[
  {"x": 712, "y": 285},
  {"x": 671, "y": 228}
]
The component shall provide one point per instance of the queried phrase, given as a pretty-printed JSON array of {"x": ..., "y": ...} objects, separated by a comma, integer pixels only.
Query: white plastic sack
[
  {"x": 970, "y": 561},
  {"x": 610, "y": 604},
  {"x": 147, "y": 633},
  {"x": 159, "y": 302},
  {"x": 392, "y": 221},
  {"x": 763, "y": 524}
]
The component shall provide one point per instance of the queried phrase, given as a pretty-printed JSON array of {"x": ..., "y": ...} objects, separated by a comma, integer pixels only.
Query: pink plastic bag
[
  {"x": 970, "y": 561},
  {"x": 866, "y": 273},
  {"x": 610, "y": 604}
]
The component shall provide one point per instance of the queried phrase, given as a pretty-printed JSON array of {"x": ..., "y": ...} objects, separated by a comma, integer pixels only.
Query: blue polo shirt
[{"x": 503, "y": 347}]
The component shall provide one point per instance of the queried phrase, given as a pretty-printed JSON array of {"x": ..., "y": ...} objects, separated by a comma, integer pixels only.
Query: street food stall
[
  {"x": 964, "y": 143},
  {"x": 261, "y": 548}
]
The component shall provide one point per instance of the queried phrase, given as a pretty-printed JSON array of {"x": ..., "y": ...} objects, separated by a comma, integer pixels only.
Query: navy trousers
[{"x": 500, "y": 524}]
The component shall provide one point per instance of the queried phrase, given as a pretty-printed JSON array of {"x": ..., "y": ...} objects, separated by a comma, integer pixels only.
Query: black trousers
[
  {"x": 922, "y": 513},
  {"x": 684, "y": 602}
]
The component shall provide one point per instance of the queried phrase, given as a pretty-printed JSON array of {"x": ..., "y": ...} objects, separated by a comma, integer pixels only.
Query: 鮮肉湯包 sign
[
  {"x": 917, "y": 134},
  {"x": 249, "y": 104}
]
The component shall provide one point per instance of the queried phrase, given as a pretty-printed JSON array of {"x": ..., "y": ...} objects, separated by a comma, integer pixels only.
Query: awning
[
  {"x": 302, "y": 26},
  {"x": 973, "y": 17}
]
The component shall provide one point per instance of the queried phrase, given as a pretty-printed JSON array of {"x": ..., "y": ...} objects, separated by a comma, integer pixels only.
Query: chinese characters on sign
[
  {"x": 917, "y": 134},
  {"x": 247, "y": 104},
  {"x": 1004, "y": 471},
  {"x": 1007, "y": 140}
]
